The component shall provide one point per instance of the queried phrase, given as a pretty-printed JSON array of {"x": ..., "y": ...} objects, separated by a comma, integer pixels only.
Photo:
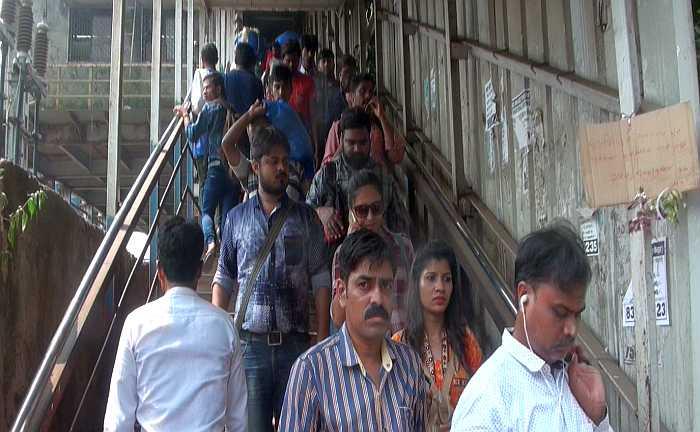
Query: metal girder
[
  {"x": 80, "y": 159},
  {"x": 277, "y": 5}
]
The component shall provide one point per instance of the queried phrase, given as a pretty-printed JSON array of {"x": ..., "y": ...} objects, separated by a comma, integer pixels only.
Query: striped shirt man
[{"x": 329, "y": 390}]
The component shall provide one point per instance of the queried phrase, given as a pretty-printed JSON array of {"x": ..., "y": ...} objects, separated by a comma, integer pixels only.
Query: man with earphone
[{"x": 537, "y": 380}]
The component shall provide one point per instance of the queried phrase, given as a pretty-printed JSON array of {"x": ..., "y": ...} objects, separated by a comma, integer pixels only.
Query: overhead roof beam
[{"x": 80, "y": 159}]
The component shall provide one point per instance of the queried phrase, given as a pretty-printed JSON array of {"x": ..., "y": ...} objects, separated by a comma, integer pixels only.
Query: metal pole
[
  {"x": 3, "y": 74},
  {"x": 178, "y": 96},
  {"x": 115, "y": 104},
  {"x": 155, "y": 121},
  {"x": 190, "y": 75}
]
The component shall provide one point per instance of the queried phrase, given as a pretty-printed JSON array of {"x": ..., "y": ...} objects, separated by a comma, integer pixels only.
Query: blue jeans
[
  {"x": 267, "y": 372},
  {"x": 219, "y": 191}
]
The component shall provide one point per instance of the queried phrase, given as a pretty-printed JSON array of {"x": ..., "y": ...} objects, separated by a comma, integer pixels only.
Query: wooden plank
[
  {"x": 645, "y": 330},
  {"x": 454, "y": 84},
  {"x": 688, "y": 91},
  {"x": 115, "y": 105},
  {"x": 542, "y": 73},
  {"x": 628, "y": 70}
]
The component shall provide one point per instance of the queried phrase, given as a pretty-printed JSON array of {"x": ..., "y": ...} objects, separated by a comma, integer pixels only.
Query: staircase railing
[{"x": 47, "y": 386}]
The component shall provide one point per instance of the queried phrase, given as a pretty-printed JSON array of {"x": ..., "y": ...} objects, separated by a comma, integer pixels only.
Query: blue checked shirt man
[
  {"x": 359, "y": 379},
  {"x": 275, "y": 328}
]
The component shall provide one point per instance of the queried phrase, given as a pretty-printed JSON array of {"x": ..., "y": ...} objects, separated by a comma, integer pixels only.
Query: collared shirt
[
  {"x": 242, "y": 88},
  {"x": 330, "y": 189},
  {"x": 178, "y": 367},
  {"x": 402, "y": 249},
  {"x": 515, "y": 390},
  {"x": 380, "y": 153},
  {"x": 329, "y": 390},
  {"x": 296, "y": 265},
  {"x": 210, "y": 122}
]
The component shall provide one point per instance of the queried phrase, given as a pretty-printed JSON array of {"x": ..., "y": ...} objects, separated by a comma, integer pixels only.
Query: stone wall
[{"x": 35, "y": 289}]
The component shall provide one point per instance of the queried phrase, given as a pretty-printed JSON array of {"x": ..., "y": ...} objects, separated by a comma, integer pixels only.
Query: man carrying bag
[{"x": 272, "y": 255}]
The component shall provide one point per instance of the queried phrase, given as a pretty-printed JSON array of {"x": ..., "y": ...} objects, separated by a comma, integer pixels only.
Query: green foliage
[{"x": 19, "y": 219}]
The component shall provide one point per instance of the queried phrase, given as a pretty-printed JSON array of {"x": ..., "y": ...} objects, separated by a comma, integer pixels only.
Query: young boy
[{"x": 219, "y": 189}]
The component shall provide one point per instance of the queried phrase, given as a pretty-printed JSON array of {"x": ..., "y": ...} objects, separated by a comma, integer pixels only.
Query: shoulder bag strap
[{"x": 259, "y": 261}]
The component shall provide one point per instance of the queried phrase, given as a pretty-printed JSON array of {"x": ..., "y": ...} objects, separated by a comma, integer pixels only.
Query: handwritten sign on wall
[{"x": 653, "y": 151}]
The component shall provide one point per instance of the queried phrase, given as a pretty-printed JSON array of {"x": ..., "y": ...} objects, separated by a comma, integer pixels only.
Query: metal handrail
[
  {"x": 185, "y": 151},
  {"x": 47, "y": 377}
]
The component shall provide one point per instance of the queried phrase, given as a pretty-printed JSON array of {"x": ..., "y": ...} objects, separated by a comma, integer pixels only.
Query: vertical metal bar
[
  {"x": 454, "y": 111},
  {"x": 115, "y": 105},
  {"x": 404, "y": 66},
  {"x": 378, "y": 49},
  {"x": 190, "y": 74},
  {"x": 203, "y": 35},
  {"x": 155, "y": 120},
  {"x": 3, "y": 73},
  {"x": 177, "y": 149},
  {"x": 359, "y": 16}
]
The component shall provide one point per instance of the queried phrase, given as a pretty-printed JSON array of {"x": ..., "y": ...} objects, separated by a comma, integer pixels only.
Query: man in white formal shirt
[
  {"x": 537, "y": 381},
  {"x": 178, "y": 364}
]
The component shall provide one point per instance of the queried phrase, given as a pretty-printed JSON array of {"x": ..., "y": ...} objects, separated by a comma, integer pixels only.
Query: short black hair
[
  {"x": 216, "y": 78},
  {"x": 180, "y": 246},
  {"x": 264, "y": 140},
  {"x": 292, "y": 47},
  {"x": 359, "y": 79},
  {"x": 555, "y": 255},
  {"x": 326, "y": 54},
  {"x": 244, "y": 55},
  {"x": 210, "y": 54},
  {"x": 280, "y": 73},
  {"x": 360, "y": 245},
  {"x": 348, "y": 61},
  {"x": 361, "y": 179},
  {"x": 310, "y": 42},
  {"x": 354, "y": 118}
]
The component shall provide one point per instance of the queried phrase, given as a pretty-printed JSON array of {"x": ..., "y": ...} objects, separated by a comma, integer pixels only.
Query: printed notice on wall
[
  {"x": 658, "y": 262},
  {"x": 654, "y": 151},
  {"x": 521, "y": 118},
  {"x": 659, "y": 252},
  {"x": 589, "y": 235},
  {"x": 628, "y": 307}
]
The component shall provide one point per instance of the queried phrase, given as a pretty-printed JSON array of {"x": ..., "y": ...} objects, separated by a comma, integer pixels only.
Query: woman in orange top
[{"x": 437, "y": 329}]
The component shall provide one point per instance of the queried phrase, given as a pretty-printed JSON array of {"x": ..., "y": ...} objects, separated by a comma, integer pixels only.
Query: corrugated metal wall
[{"x": 563, "y": 53}]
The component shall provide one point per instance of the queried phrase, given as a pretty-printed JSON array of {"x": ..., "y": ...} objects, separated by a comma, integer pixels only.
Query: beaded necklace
[{"x": 430, "y": 362}]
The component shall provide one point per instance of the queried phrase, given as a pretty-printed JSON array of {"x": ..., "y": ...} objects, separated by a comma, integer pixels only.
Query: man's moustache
[{"x": 376, "y": 311}]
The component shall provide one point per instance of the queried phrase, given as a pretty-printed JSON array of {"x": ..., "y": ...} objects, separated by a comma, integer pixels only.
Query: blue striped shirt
[{"x": 328, "y": 390}]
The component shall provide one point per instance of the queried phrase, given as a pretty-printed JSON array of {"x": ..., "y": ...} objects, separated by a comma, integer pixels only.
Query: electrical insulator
[
  {"x": 8, "y": 13},
  {"x": 25, "y": 26},
  {"x": 41, "y": 49}
]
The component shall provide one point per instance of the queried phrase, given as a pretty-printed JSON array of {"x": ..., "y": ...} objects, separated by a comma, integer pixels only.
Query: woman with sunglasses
[
  {"x": 366, "y": 205},
  {"x": 437, "y": 329}
]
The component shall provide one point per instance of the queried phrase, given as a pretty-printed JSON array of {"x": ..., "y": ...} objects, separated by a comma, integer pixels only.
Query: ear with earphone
[{"x": 523, "y": 301}]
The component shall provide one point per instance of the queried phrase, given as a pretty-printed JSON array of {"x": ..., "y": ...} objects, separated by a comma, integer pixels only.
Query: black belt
[{"x": 274, "y": 338}]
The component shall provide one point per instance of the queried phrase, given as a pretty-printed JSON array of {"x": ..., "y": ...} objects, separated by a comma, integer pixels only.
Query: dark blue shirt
[
  {"x": 296, "y": 265},
  {"x": 242, "y": 88},
  {"x": 210, "y": 122},
  {"x": 286, "y": 120}
]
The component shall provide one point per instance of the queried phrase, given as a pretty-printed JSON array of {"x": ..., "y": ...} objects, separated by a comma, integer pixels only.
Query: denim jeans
[
  {"x": 267, "y": 372},
  {"x": 219, "y": 191}
]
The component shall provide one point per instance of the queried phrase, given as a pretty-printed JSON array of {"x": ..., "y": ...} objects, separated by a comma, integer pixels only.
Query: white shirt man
[
  {"x": 179, "y": 363},
  {"x": 515, "y": 390},
  {"x": 537, "y": 381}
]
